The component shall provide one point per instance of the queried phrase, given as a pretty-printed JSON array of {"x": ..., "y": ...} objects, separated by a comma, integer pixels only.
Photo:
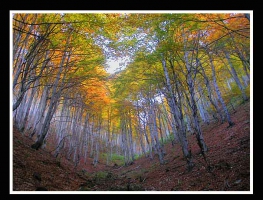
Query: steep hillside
[{"x": 227, "y": 167}]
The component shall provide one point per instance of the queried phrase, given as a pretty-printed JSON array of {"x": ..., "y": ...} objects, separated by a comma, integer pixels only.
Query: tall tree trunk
[
  {"x": 201, "y": 106},
  {"x": 51, "y": 110},
  {"x": 244, "y": 61},
  {"x": 40, "y": 112},
  {"x": 86, "y": 132},
  {"x": 18, "y": 52},
  {"x": 147, "y": 140},
  {"x": 218, "y": 91},
  {"x": 27, "y": 68},
  {"x": 161, "y": 129},
  {"x": 108, "y": 139},
  {"x": 154, "y": 130},
  {"x": 139, "y": 129},
  {"x": 188, "y": 120},
  {"x": 174, "y": 109},
  {"x": 173, "y": 125},
  {"x": 97, "y": 152},
  {"x": 125, "y": 143},
  {"x": 55, "y": 94},
  {"x": 190, "y": 83},
  {"x": 25, "y": 120},
  {"x": 235, "y": 76},
  {"x": 209, "y": 90},
  {"x": 130, "y": 136},
  {"x": 92, "y": 137}
]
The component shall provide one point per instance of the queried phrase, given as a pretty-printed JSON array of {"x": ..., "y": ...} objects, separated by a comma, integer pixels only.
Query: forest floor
[{"x": 227, "y": 167}]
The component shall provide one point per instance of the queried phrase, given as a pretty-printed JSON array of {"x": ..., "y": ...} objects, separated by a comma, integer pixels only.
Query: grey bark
[
  {"x": 218, "y": 92},
  {"x": 55, "y": 95},
  {"x": 209, "y": 90},
  {"x": 29, "y": 104},
  {"x": 130, "y": 136},
  {"x": 235, "y": 76},
  {"x": 147, "y": 138},
  {"x": 26, "y": 69},
  {"x": 139, "y": 129},
  {"x": 154, "y": 130},
  {"x": 174, "y": 109},
  {"x": 40, "y": 111}
]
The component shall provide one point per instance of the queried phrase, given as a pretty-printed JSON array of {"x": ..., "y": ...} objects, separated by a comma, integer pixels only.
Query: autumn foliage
[{"x": 184, "y": 71}]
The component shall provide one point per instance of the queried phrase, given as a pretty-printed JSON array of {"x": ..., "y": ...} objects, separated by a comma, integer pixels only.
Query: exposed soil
[{"x": 227, "y": 167}]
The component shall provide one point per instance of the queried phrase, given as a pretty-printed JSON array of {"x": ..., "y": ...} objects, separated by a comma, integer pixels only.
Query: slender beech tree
[{"x": 218, "y": 92}]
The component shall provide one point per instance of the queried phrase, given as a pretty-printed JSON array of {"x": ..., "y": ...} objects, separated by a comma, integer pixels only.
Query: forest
[{"x": 182, "y": 73}]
